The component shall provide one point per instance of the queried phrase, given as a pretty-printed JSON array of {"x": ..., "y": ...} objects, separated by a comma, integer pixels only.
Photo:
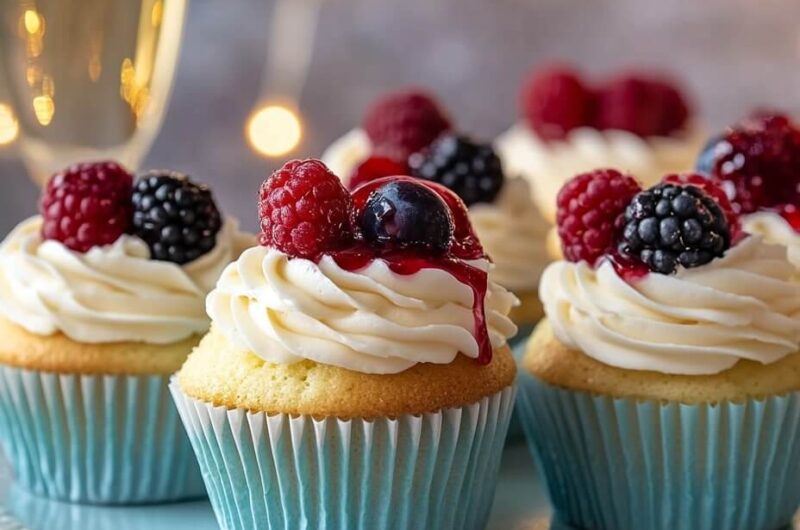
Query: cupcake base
[
  {"x": 105, "y": 439},
  {"x": 616, "y": 462},
  {"x": 270, "y": 471}
]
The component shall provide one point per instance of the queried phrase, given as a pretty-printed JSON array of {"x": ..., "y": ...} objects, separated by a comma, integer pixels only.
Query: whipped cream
[
  {"x": 346, "y": 153},
  {"x": 513, "y": 233},
  {"x": 777, "y": 230},
  {"x": 699, "y": 321},
  {"x": 113, "y": 293},
  {"x": 548, "y": 165},
  {"x": 371, "y": 320}
]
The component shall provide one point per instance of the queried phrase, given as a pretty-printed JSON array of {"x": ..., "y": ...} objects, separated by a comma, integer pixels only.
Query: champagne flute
[{"x": 88, "y": 79}]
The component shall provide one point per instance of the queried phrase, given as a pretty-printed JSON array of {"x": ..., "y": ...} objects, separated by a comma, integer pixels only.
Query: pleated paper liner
[
  {"x": 103, "y": 439},
  {"x": 518, "y": 343},
  {"x": 627, "y": 464},
  {"x": 435, "y": 470}
]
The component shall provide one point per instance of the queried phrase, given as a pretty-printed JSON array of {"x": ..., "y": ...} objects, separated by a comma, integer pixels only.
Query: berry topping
[
  {"x": 405, "y": 122},
  {"x": 304, "y": 210},
  {"x": 760, "y": 158},
  {"x": 375, "y": 167},
  {"x": 713, "y": 189},
  {"x": 642, "y": 106},
  {"x": 590, "y": 211},
  {"x": 465, "y": 243},
  {"x": 671, "y": 224},
  {"x": 555, "y": 101},
  {"x": 87, "y": 205},
  {"x": 473, "y": 171},
  {"x": 407, "y": 214},
  {"x": 791, "y": 213},
  {"x": 175, "y": 217}
]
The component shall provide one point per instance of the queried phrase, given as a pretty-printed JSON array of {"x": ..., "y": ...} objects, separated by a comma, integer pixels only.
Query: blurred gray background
[{"x": 730, "y": 55}]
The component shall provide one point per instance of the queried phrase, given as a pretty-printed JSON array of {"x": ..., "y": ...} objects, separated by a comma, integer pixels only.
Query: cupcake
[
  {"x": 407, "y": 132},
  {"x": 662, "y": 390},
  {"x": 634, "y": 122},
  {"x": 356, "y": 374},
  {"x": 101, "y": 299},
  {"x": 757, "y": 161}
]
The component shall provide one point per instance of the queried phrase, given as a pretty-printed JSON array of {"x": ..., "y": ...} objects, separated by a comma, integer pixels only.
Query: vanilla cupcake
[
  {"x": 667, "y": 368},
  {"x": 411, "y": 127},
  {"x": 353, "y": 377},
  {"x": 101, "y": 299},
  {"x": 633, "y": 123},
  {"x": 756, "y": 161}
]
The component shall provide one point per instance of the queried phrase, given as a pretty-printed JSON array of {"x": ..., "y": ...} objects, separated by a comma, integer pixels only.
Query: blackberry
[
  {"x": 472, "y": 170},
  {"x": 175, "y": 217},
  {"x": 670, "y": 225}
]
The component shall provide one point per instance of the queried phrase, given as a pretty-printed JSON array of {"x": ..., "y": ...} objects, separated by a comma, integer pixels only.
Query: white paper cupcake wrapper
[
  {"x": 627, "y": 464},
  {"x": 436, "y": 470},
  {"x": 95, "y": 438}
]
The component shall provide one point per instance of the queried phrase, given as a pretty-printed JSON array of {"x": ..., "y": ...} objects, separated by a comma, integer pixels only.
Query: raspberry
[
  {"x": 473, "y": 171},
  {"x": 715, "y": 191},
  {"x": 405, "y": 122},
  {"x": 555, "y": 101},
  {"x": 672, "y": 224},
  {"x": 177, "y": 218},
  {"x": 375, "y": 167},
  {"x": 87, "y": 205},
  {"x": 642, "y": 106},
  {"x": 759, "y": 158},
  {"x": 304, "y": 210},
  {"x": 590, "y": 211}
]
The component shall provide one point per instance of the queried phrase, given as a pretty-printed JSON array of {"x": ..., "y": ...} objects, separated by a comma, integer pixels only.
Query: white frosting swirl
[
  {"x": 699, "y": 321},
  {"x": 346, "y": 153},
  {"x": 371, "y": 320},
  {"x": 113, "y": 293},
  {"x": 548, "y": 165},
  {"x": 777, "y": 230},
  {"x": 513, "y": 233}
]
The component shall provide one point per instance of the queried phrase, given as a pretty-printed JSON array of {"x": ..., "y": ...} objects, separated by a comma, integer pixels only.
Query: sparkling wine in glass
[{"x": 88, "y": 79}]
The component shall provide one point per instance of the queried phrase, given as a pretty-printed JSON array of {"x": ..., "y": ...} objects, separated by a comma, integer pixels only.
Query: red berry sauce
[
  {"x": 628, "y": 269},
  {"x": 406, "y": 261},
  {"x": 791, "y": 213}
]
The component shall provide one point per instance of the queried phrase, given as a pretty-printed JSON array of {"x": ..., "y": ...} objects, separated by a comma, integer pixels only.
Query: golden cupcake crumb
[
  {"x": 530, "y": 310},
  {"x": 218, "y": 372},
  {"x": 60, "y": 354},
  {"x": 554, "y": 363}
]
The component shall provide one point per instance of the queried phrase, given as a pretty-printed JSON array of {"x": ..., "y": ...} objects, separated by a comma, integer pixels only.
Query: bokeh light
[
  {"x": 274, "y": 130},
  {"x": 9, "y": 126}
]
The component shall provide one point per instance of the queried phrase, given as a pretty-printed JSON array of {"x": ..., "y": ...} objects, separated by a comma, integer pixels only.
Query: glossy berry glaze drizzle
[
  {"x": 465, "y": 247},
  {"x": 791, "y": 214}
]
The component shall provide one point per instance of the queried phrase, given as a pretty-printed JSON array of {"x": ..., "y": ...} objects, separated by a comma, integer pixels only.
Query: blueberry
[
  {"x": 715, "y": 149},
  {"x": 405, "y": 214}
]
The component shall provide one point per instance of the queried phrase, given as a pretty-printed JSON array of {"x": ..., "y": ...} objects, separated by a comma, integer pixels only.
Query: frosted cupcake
[
  {"x": 663, "y": 388},
  {"x": 353, "y": 377},
  {"x": 757, "y": 161},
  {"x": 407, "y": 132},
  {"x": 101, "y": 298},
  {"x": 635, "y": 123}
]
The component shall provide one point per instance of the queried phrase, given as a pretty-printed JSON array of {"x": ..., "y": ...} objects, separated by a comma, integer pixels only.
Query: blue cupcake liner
[
  {"x": 104, "y": 439},
  {"x": 435, "y": 470},
  {"x": 628, "y": 464},
  {"x": 517, "y": 344}
]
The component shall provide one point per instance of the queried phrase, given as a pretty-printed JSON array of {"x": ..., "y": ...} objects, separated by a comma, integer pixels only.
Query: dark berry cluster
[
  {"x": 306, "y": 212},
  {"x": 555, "y": 101},
  {"x": 177, "y": 218},
  {"x": 93, "y": 204},
  {"x": 759, "y": 160},
  {"x": 670, "y": 225},
  {"x": 684, "y": 221},
  {"x": 472, "y": 170}
]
